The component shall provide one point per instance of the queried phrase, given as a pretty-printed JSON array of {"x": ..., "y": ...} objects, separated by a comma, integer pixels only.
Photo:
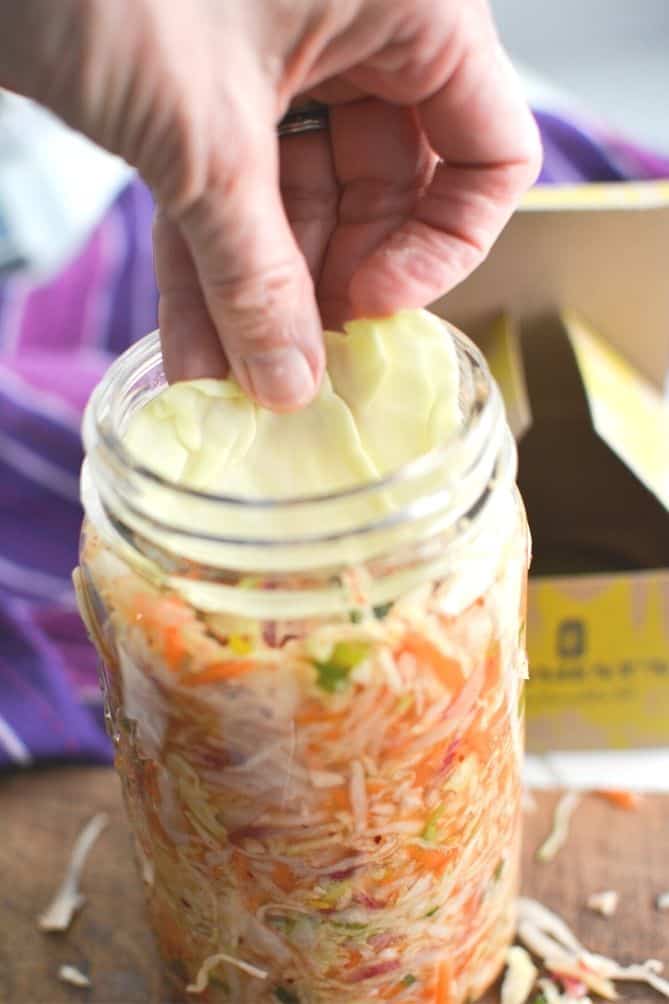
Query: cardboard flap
[
  {"x": 587, "y": 510},
  {"x": 604, "y": 257},
  {"x": 555, "y": 387},
  {"x": 501, "y": 348},
  {"x": 628, "y": 412}
]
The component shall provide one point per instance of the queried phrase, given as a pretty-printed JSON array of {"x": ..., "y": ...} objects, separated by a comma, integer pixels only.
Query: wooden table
[{"x": 41, "y": 814}]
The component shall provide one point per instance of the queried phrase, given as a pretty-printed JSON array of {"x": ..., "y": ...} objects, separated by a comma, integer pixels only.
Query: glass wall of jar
[{"x": 316, "y": 706}]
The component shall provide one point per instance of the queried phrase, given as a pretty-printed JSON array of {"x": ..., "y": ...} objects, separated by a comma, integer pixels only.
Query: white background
[{"x": 612, "y": 55}]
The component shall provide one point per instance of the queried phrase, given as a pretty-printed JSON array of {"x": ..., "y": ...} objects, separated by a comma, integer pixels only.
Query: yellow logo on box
[{"x": 599, "y": 662}]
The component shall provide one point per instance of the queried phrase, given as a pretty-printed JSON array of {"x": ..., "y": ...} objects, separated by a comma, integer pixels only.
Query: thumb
[{"x": 255, "y": 282}]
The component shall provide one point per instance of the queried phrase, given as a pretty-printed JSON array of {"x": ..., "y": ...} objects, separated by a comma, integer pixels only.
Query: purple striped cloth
[{"x": 56, "y": 341}]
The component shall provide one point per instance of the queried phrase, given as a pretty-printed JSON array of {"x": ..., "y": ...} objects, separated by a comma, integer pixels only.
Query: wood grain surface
[{"x": 42, "y": 812}]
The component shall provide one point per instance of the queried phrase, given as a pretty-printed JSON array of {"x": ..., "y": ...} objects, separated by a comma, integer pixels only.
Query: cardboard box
[
  {"x": 572, "y": 310},
  {"x": 600, "y": 250}
]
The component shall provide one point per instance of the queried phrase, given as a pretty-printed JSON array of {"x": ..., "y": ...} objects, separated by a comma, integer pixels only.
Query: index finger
[{"x": 478, "y": 123}]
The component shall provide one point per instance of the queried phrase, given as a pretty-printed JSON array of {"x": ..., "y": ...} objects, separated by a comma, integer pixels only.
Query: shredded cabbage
[
  {"x": 605, "y": 902},
  {"x": 68, "y": 900},
  {"x": 74, "y": 976},
  {"x": 520, "y": 976},
  {"x": 557, "y": 838},
  {"x": 202, "y": 981},
  {"x": 329, "y": 813},
  {"x": 548, "y": 937}
]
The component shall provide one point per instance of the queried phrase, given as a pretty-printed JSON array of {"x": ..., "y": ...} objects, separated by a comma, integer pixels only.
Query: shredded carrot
[
  {"x": 427, "y": 859},
  {"x": 424, "y": 772},
  {"x": 482, "y": 744},
  {"x": 316, "y": 713},
  {"x": 391, "y": 992},
  {"x": 283, "y": 876},
  {"x": 425, "y": 653},
  {"x": 443, "y": 993},
  {"x": 173, "y": 648},
  {"x": 339, "y": 799},
  {"x": 218, "y": 672},
  {"x": 493, "y": 666},
  {"x": 628, "y": 800}
]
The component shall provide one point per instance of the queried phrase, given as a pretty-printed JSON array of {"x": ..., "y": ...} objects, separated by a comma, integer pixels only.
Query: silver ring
[{"x": 309, "y": 118}]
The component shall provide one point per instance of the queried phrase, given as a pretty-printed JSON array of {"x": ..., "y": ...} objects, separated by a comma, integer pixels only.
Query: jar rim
[
  {"x": 105, "y": 402},
  {"x": 435, "y": 505}
]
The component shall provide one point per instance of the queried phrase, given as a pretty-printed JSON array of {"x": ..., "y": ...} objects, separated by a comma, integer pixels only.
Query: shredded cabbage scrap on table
[
  {"x": 569, "y": 963},
  {"x": 557, "y": 838},
  {"x": 73, "y": 976},
  {"x": 605, "y": 902},
  {"x": 68, "y": 900}
]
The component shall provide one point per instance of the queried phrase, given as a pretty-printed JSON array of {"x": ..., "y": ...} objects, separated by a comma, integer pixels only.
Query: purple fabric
[
  {"x": 55, "y": 343},
  {"x": 562, "y": 140},
  {"x": 575, "y": 151}
]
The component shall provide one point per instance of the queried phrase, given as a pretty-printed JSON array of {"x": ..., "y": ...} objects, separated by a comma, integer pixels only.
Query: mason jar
[{"x": 316, "y": 708}]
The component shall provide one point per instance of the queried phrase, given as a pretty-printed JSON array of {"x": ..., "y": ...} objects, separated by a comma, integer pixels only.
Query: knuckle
[
  {"x": 253, "y": 303},
  {"x": 173, "y": 153},
  {"x": 370, "y": 199},
  {"x": 304, "y": 205},
  {"x": 193, "y": 154}
]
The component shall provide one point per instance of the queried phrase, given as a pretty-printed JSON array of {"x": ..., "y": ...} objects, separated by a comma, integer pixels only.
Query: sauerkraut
[{"x": 329, "y": 809}]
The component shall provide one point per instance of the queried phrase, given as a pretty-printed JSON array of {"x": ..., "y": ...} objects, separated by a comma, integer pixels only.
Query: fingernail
[{"x": 281, "y": 377}]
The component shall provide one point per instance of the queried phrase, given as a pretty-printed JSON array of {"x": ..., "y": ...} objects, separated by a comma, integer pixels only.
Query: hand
[{"x": 430, "y": 147}]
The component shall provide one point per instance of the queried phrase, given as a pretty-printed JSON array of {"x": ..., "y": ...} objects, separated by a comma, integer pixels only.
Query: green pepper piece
[
  {"x": 382, "y": 610},
  {"x": 429, "y": 833},
  {"x": 333, "y": 674}
]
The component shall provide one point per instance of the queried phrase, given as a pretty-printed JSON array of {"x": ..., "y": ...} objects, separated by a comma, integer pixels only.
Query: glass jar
[{"x": 316, "y": 706}]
